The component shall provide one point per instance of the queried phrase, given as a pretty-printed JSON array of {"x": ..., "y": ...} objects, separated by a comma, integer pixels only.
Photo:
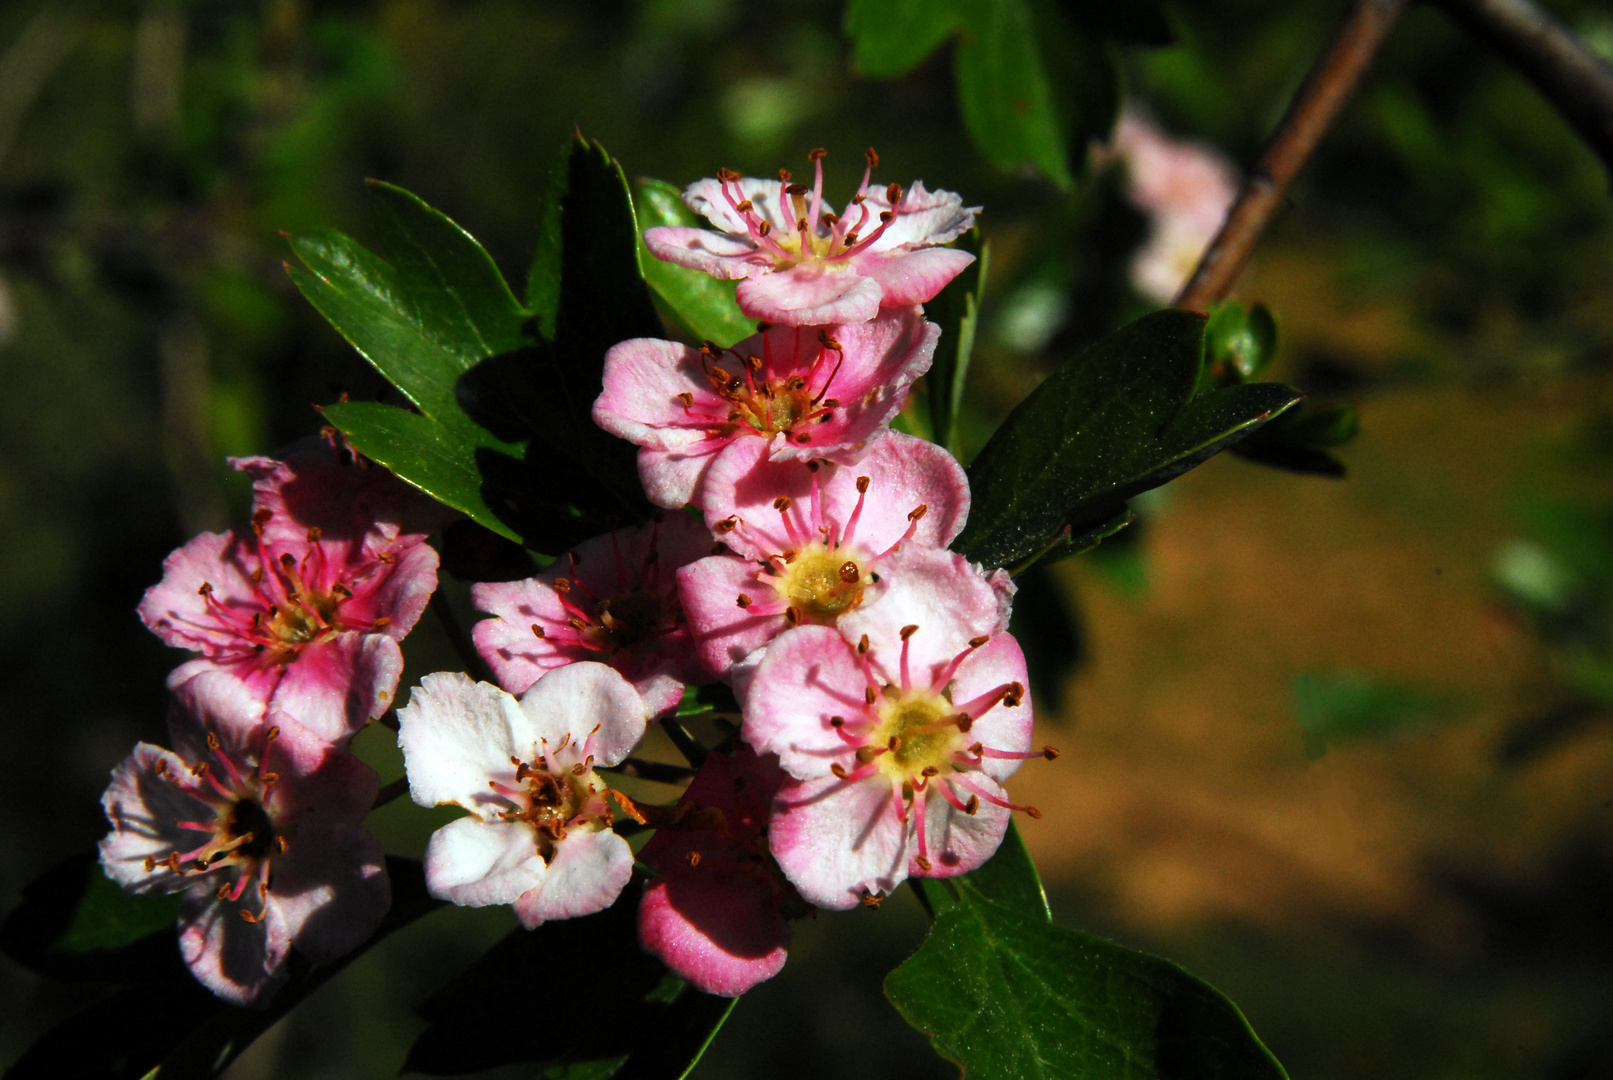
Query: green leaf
[
  {"x": 1113, "y": 422},
  {"x": 179, "y": 1031},
  {"x": 1009, "y": 878},
  {"x": 1009, "y": 996},
  {"x": 439, "y": 460},
  {"x": 956, "y": 310},
  {"x": 1239, "y": 346},
  {"x": 890, "y": 37},
  {"x": 700, "y": 303},
  {"x": 642, "y": 1021},
  {"x": 76, "y": 924}
]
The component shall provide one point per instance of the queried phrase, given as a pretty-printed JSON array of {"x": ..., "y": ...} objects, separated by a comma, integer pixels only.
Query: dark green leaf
[
  {"x": 1296, "y": 441},
  {"x": 74, "y": 923},
  {"x": 1113, "y": 422},
  {"x": 181, "y": 1031},
  {"x": 434, "y": 458},
  {"x": 1238, "y": 346},
  {"x": 1009, "y": 996},
  {"x": 956, "y": 311},
  {"x": 1009, "y": 878},
  {"x": 642, "y": 1021},
  {"x": 700, "y": 303}
]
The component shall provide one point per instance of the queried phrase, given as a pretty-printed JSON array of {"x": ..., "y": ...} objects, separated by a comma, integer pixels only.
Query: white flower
[{"x": 539, "y": 830}]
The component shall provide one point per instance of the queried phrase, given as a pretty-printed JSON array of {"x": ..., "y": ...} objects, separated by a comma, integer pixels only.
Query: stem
[
  {"x": 686, "y": 743},
  {"x": 659, "y": 771},
  {"x": 475, "y": 666},
  {"x": 1315, "y": 107},
  {"x": 391, "y": 792},
  {"x": 1577, "y": 82}
]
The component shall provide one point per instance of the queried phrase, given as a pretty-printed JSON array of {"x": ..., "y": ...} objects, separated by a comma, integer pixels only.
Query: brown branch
[
  {"x": 1315, "y": 107},
  {"x": 1577, "y": 82}
]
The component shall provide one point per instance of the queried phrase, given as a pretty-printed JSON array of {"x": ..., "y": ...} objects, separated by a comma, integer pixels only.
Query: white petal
[
  {"x": 587, "y": 874},
  {"x": 579, "y": 698},
  {"x": 475, "y": 863},
  {"x": 456, "y": 735}
]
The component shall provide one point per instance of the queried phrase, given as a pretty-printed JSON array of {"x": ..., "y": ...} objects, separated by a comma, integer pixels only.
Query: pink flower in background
[
  {"x": 308, "y": 611},
  {"x": 1185, "y": 188},
  {"x": 803, "y": 264},
  {"x": 614, "y": 599},
  {"x": 818, "y": 544},
  {"x": 897, "y": 764},
  {"x": 715, "y": 911},
  {"x": 804, "y": 392},
  {"x": 538, "y": 835},
  {"x": 255, "y": 822}
]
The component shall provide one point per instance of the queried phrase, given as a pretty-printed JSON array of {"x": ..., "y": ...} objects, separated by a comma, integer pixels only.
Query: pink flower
[
  {"x": 307, "y": 612},
  {"x": 255, "y": 821},
  {"x": 804, "y": 265},
  {"x": 614, "y": 599},
  {"x": 539, "y": 830},
  {"x": 806, "y": 392},
  {"x": 822, "y": 544},
  {"x": 715, "y": 912},
  {"x": 897, "y": 767},
  {"x": 1185, "y": 188}
]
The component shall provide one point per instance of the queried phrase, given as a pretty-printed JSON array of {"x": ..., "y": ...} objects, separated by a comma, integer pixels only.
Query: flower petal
[
  {"x": 175, "y": 608},
  {"x": 642, "y": 380},
  {"x": 720, "y": 930},
  {"x": 588, "y": 872},
  {"x": 912, "y": 277},
  {"x": 957, "y": 842},
  {"x": 810, "y": 294},
  {"x": 718, "y": 254},
  {"x": 946, "y": 596},
  {"x": 724, "y": 632},
  {"x": 235, "y": 959},
  {"x": 330, "y": 889},
  {"x": 836, "y": 840},
  {"x": 456, "y": 735},
  {"x": 144, "y": 803},
  {"x": 590, "y": 706},
  {"x": 475, "y": 863},
  {"x": 705, "y": 197},
  {"x": 998, "y": 663},
  {"x": 338, "y": 684},
  {"x": 807, "y": 676}
]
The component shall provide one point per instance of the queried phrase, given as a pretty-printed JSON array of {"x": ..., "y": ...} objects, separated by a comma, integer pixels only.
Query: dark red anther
[
  {"x": 976, "y": 642},
  {"x": 849, "y": 572},
  {"x": 837, "y": 721},
  {"x": 562, "y": 584},
  {"x": 862, "y": 645},
  {"x": 803, "y": 438},
  {"x": 728, "y": 524},
  {"x": 537, "y": 631},
  {"x": 838, "y": 769},
  {"x": 792, "y": 615},
  {"x": 862, "y": 485},
  {"x": 918, "y": 511},
  {"x": 909, "y": 630},
  {"x": 796, "y": 189},
  {"x": 205, "y": 590},
  {"x": 687, "y": 399},
  {"x": 817, "y": 155},
  {"x": 1050, "y": 753},
  {"x": 744, "y": 206},
  {"x": 869, "y": 695},
  {"x": 314, "y": 533},
  {"x": 764, "y": 228},
  {"x": 785, "y": 176},
  {"x": 964, "y": 722},
  {"x": 871, "y": 157},
  {"x": 922, "y": 863},
  {"x": 743, "y": 601},
  {"x": 972, "y": 806},
  {"x": 893, "y": 194},
  {"x": 693, "y": 859},
  {"x": 781, "y": 503}
]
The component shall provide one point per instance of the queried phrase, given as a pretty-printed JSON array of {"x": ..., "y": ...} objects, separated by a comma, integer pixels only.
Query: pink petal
[
  {"x": 233, "y": 958},
  {"x": 718, "y": 254},
  {"x": 506, "y": 641},
  {"x": 586, "y": 874},
  {"x": 723, "y": 632},
  {"x": 957, "y": 842},
  {"x": 476, "y": 863},
  {"x": 912, "y": 277},
  {"x": 143, "y": 805},
  {"x": 946, "y": 596},
  {"x": 339, "y": 684},
  {"x": 997, "y": 663},
  {"x": 705, "y": 197},
  {"x": 174, "y": 610},
  {"x": 329, "y": 890},
  {"x": 399, "y": 592},
  {"x": 721, "y": 931},
  {"x": 836, "y": 840},
  {"x": 810, "y": 294},
  {"x": 317, "y": 780},
  {"x": 593, "y": 705},
  {"x": 671, "y": 478},
  {"x": 807, "y": 676},
  {"x": 643, "y": 378}
]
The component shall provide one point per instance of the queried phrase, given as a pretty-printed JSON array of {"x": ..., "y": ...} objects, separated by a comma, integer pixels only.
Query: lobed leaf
[
  {"x": 1115, "y": 421},
  {"x": 1009, "y": 996}
]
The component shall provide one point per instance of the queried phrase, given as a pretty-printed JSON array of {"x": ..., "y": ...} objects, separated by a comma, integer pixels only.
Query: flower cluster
[
  {"x": 254, "y": 817},
  {"x": 802, "y": 561}
]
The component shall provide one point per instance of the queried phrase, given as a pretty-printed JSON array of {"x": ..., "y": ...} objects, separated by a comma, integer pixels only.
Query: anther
[
  {"x": 205, "y": 590},
  {"x": 693, "y": 859},
  {"x": 796, "y": 189},
  {"x": 764, "y": 228},
  {"x": 972, "y": 806},
  {"x": 537, "y": 631},
  {"x": 1034, "y": 813},
  {"x": 800, "y": 223},
  {"x": 745, "y": 206},
  {"x": 918, "y": 511},
  {"x": 862, "y": 485},
  {"x": 727, "y": 524},
  {"x": 922, "y": 863},
  {"x": 781, "y": 503},
  {"x": 849, "y": 572},
  {"x": 930, "y": 770},
  {"x": 893, "y": 194},
  {"x": 976, "y": 642},
  {"x": 837, "y": 721},
  {"x": 909, "y": 630},
  {"x": 792, "y": 615},
  {"x": 872, "y": 899},
  {"x": 862, "y": 647},
  {"x": 212, "y": 741},
  {"x": 803, "y": 438},
  {"x": 1013, "y": 695},
  {"x": 288, "y": 560},
  {"x": 742, "y": 600},
  {"x": 382, "y": 622},
  {"x": 272, "y": 734},
  {"x": 885, "y": 217},
  {"x": 687, "y": 399},
  {"x": 763, "y": 327},
  {"x": 869, "y": 695},
  {"x": 1050, "y": 753},
  {"x": 562, "y": 584},
  {"x": 851, "y": 237},
  {"x": 817, "y": 155},
  {"x": 261, "y": 518},
  {"x": 871, "y": 157},
  {"x": 964, "y": 721},
  {"x": 838, "y": 769},
  {"x": 785, "y": 176},
  {"x": 314, "y": 533}
]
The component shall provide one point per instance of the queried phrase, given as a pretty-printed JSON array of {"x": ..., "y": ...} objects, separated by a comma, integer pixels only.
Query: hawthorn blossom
[
  {"x": 255, "y": 822},
  {"x": 1185, "y": 189},
  {"x": 614, "y": 599},
  {"x": 307, "y": 612},
  {"x": 715, "y": 911},
  {"x": 820, "y": 544},
  {"x": 806, "y": 392},
  {"x": 538, "y": 834},
  {"x": 805, "y": 265},
  {"x": 896, "y": 764}
]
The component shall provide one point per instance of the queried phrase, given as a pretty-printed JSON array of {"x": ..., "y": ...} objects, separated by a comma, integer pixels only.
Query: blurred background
[{"x": 1340, "y": 746}]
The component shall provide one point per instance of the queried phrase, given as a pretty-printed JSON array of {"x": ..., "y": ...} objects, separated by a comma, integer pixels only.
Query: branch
[
  {"x": 1318, "y": 103},
  {"x": 1577, "y": 82}
]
